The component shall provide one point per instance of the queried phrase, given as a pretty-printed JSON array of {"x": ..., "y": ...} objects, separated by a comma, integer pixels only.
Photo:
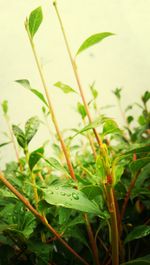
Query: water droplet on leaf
[{"x": 75, "y": 196}]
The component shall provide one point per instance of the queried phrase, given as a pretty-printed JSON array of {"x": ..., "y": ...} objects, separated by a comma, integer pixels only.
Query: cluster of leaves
[{"x": 48, "y": 186}]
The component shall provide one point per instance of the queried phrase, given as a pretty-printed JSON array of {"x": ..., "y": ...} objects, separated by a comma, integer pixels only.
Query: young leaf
[
  {"x": 25, "y": 83},
  {"x": 70, "y": 198},
  {"x": 118, "y": 171},
  {"x": 110, "y": 126},
  {"x": 5, "y": 106},
  {"x": 138, "y": 232},
  {"x": 35, "y": 20},
  {"x": 81, "y": 110},
  {"x": 117, "y": 93},
  {"x": 65, "y": 88},
  {"x": 20, "y": 136},
  {"x": 31, "y": 128},
  {"x": 146, "y": 97},
  {"x": 93, "y": 90},
  {"x": 100, "y": 169},
  {"x": 92, "y": 40},
  {"x": 35, "y": 156}
]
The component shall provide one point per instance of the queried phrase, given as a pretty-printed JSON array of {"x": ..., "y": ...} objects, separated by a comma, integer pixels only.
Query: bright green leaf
[
  {"x": 81, "y": 110},
  {"x": 65, "y": 88},
  {"x": 100, "y": 169},
  {"x": 20, "y": 136},
  {"x": 92, "y": 40},
  {"x": 35, "y": 20},
  {"x": 94, "y": 91},
  {"x": 35, "y": 156},
  {"x": 118, "y": 171},
  {"x": 31, "y": 128},
  {"x": 25, "y": 83},
  {"x": 138, "y": 232},
  {"x": 70, "y": 198},
  {"x": 5, "y": 106},
  {"x": 55, "y": 164},
  {"x": 111, "y": 127}
]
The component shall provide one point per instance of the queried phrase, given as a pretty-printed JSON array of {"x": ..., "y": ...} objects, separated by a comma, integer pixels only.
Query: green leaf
[
  {"x": 92, "y": 40},
  {"x": 55, "y": 164},
  {"x": 5, "y": 106},
  {"x": 100, "y": 169},
  {"x": 94, "y": 91},
  {"x": 20, "y": 136},
  {"x": 31, "y": 128},
  {"x": 25, "y": 83},
  {"x": 70, "y": 198},
  {"x": 138, "y": 232},
  {"x": 3, "y": 144},
  {"x": 139, "y": 163},
  {"x": 35, "y": 20},
  {"x": 111, "y": 127},
  {"x": 130, "y": 119},
  {"x": 117, "y": 93},
  {"x": 140, "y": 261},
  {"x": 35, "y": 156},
  {"x": 118, "y": 171},
  {"x": 65, "y": 88},
  {"x": 146, "y": 97},
  {"x": 139, "y": 150},
  {"x": 81, "y": 110}
]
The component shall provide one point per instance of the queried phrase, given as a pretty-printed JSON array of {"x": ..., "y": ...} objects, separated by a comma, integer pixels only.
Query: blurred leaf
[
  {"x": 55, "y": 164},
  {"x": 142, "y": 120},
  {"x": 118, "y": 171},
  {"x": 6, "y": 143},
  {"x": 20, "y": 136},
  {"x": 35, "y": 20},
  {"x": 70, "y": 198},
  {"x": 146, "y": 97},
  {"x": 5, "y": 106},
  {"x": 117, "y": 93},
  {"x": 140, "y": 261},
  {"x": 138, "y": 232},
  {"x": 94, "y": 91},
  {"x": 130, "y": 119},
  {"x": 25, "y": 83},
  {"x": 35, "y": 156},
  {"x": 100, "y": 169},
  {"x": 81, "y": 110},
  {"x": 31, "y": 128},
  {"x": 110, "y": 126},
  {"x": 92, "y": 40},
  {"x": 139, "y": 164},
  {"x": 64, "y": 214},
  {"x": 65, "y": 88}
]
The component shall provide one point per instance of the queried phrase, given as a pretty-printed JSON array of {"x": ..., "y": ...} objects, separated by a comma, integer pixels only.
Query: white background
[{"x": 119, "y": 61}]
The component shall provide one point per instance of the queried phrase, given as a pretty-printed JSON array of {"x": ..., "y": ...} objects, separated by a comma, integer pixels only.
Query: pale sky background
[{"x": 119, "y": 61}]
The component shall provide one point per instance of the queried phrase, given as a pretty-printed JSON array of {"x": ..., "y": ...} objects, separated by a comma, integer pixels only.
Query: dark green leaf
[
  {"x": 138, "y": 232},
  {"x": 140, "y": 261},
  {"x": 35, "y": 20},
  {"x": 70, "y": 198},
  {"x": 25, "y": 83},
  {"x": 130, "y": 119},
  {"x": 146, "y": 97},
  {"x": 92, "y": 40},
  {"x": 35, "y": 156},
  {"x": 20, "y": 136},
  {"x": 65, "y": 88},
  {"x": 5, "y": 106},
  {"x": 3, "y": 144},
  {"x": 31, "y": 128},
  {"x": 139, "y": 163}
]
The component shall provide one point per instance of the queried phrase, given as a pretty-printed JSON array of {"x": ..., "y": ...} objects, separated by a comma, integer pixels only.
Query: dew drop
[
  {"x": 75, "y": 196},
  {"x": 63, "y": 193}
]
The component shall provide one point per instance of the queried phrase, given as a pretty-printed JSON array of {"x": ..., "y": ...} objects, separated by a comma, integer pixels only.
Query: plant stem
[
  {"x": 37, "y": 214},
  {"x": 13, "y": 141},
  {"x": 74, "y": 67},
  {"x": 114, "y": 225},
  {"x": 51, "y": 109},
  {"x": 92, "y": 240},
  {"x": 127, "y": 197}
]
